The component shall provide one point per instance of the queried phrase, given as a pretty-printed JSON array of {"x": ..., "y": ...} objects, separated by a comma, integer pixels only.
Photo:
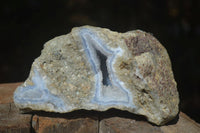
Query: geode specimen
[{"x": 97, "y": 69}]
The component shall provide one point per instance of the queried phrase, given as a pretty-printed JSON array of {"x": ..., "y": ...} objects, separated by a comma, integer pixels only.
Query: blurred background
[{"x": 27, "y": 24}]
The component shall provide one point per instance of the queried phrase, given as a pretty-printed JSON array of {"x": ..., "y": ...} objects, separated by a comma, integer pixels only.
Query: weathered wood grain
[
  {"x": 82, "y": 121},
  {"x": 11, "y": 120}
]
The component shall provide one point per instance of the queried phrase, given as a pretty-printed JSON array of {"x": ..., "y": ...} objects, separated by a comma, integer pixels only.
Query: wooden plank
[
  {"x": 184, "y": 125},
  {"x": 42, "y": 124},
  {"x": 121, "y": 124},
  {"x": 10, "y": 118},
  {"x": 82, "y": 121},
  {"x": 6, "y": 92}
]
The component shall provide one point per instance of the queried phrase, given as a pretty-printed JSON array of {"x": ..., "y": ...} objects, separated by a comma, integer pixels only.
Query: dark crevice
[
  {"x": 98, "y": 124},
  {"x": 10, "y": 107},
  {"x": 31, "y": 125},
  {"x": 103, "y": 67}
]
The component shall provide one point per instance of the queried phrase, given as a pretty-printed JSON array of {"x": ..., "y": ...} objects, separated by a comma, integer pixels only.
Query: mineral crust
[{"x": 94, "y": 68}]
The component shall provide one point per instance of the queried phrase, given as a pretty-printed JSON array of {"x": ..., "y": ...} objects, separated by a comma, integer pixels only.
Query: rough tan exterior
[{"x": 97, "y": 69}]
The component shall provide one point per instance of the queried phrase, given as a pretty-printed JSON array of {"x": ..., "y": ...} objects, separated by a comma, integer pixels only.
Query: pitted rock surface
[{"x": 94, "y": 68}]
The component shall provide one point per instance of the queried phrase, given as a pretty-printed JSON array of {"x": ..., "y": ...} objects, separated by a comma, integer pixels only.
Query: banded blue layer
[
  {"x": 114, "y": 93},
  {"x": 38, "y": 94}
]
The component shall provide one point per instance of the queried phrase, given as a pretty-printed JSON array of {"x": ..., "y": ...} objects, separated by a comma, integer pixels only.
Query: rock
[{"x": 97, "y": 69}]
